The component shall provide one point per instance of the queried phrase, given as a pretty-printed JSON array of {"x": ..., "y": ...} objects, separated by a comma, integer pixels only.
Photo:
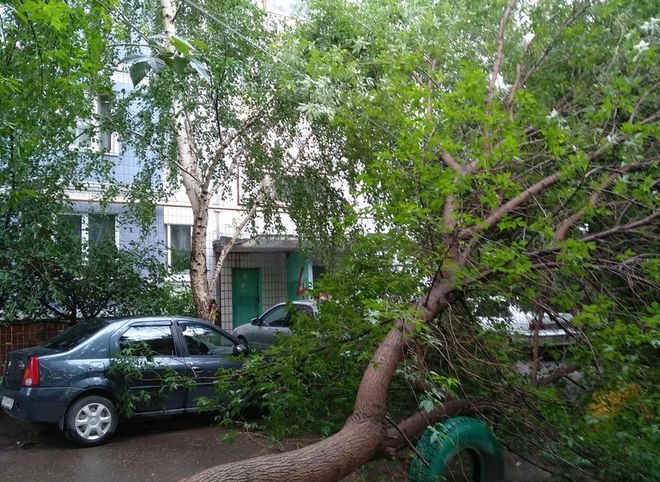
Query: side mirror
[
  {"x": 254, "y": 321},
  {"x": 240, "y": 349}
]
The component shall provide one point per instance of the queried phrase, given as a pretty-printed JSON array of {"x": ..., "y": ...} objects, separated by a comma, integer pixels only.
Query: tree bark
[
  {"x": 200, "y": 184},
  {"x": 341, "y": 454},
  {"x": 198, "y": 270},
  {"x": 360, "y": 440},
  {"x": 192, "y": 181}
]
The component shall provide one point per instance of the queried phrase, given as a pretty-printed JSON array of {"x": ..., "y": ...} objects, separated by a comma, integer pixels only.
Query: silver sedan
[{"x": 261, "y": 331}]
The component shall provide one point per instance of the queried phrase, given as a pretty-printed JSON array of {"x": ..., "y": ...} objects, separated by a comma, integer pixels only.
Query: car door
[
  {"x": 276, "y": 320},
  {"x": 208, "y": 349},
  {"x": 151, "y": 346}
]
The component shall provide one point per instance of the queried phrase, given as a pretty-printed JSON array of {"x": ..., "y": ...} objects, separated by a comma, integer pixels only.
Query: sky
[{"x": 283, "y": 7}]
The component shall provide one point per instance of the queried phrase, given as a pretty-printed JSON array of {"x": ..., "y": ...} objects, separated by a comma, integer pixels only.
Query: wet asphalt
[
  {"x": 152, "y": 450},
  {"x": 164, "y": 450}
]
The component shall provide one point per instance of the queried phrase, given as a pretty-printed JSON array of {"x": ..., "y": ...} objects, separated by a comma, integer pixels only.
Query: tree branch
[
  {"x": 562, "y": 230},
  {"x": 410, "y": 428},
  {"x": 451, "y": 163},
  {"x": 624, "y": 227},
  {"x": 449, "y": 205},
  {"x": 651, "y": 118},
  {"x": 499, "y": 56},
  {"x": 510, "y": 205},
  {"x": 405, "y": 437},
  {"x": 641, "y": 101},
  {"x": 556, "y": 375},
  {"x": 217, "y": 158},
  {"x": 552, "y": 43},
  {"x": 125, "y": 20},
  {"x": 512, "y": 92}
]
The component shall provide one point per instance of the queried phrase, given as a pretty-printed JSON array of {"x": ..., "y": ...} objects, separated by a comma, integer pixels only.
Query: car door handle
[{"x": 196, "y": 370}]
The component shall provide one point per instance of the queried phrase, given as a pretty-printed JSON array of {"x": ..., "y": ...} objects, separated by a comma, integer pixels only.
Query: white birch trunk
[
  {"x": 192, "y": 181},
  {"x": 197, "y": 184}
]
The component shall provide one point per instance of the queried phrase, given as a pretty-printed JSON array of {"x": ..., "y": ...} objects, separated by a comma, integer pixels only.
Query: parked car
[
  {"x": 553, "y": 330},
  {"x": 67, "y": 381},
  {"x": 261, "y": 331}
]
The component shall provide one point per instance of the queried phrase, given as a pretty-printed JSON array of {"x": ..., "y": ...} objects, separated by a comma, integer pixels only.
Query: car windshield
[{"x": 75, "y": 335}]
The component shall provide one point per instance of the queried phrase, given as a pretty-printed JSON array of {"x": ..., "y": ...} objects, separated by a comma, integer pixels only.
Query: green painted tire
[{"x": 446, "y": 441}]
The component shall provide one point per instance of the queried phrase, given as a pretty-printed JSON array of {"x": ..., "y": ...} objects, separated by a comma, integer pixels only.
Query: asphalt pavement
[
  {"x": 151, "y": 450},
  {"x": 163, "y": 450}
]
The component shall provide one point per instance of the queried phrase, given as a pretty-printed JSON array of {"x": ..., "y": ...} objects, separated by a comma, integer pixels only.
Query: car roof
[
  {"x": 124, "y": 319},
  {"x": 310, "y": 303}
]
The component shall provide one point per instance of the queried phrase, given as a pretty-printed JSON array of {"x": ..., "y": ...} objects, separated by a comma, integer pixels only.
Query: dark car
[
  {"x": 261, "y": 332},
  {"x": 67, "y": 381}
]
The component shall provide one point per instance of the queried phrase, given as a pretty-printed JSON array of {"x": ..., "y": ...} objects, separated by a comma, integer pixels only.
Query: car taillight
[{"x": 31, "y": 373}]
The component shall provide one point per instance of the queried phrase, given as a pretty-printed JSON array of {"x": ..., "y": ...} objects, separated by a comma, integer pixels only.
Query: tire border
[
  {"x": 442, "y": 442},
  {"x": 70, "y": 433}
]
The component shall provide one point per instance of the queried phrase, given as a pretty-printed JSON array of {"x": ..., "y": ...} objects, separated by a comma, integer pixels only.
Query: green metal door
[{"x": 245, "y": 293}]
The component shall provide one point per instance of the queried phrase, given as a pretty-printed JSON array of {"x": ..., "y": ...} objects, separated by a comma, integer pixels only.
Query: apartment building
[{"x": 259, "y": 271}]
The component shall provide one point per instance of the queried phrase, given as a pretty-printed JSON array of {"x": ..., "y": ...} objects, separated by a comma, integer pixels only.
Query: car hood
[{"x": 241, "y": 330}]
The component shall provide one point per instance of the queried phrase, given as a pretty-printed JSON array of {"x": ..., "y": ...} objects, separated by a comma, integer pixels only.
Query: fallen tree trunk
[
  {"x": 328, "y": 460},
  {"x": 361, "y": 438},
  {"x": 341, "y": 454}
]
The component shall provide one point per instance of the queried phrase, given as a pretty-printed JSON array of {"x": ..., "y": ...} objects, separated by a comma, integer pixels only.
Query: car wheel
[{"x": 91, "y": 421}]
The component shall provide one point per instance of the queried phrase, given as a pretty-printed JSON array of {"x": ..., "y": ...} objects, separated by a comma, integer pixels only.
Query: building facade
[{"x": 259, "y": 271}]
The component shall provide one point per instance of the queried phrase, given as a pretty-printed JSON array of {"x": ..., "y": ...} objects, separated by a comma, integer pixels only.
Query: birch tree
[{"x": 207, "y": 118}]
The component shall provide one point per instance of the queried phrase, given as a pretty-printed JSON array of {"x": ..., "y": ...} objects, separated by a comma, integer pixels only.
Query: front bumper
[{"x": 37, "y": 404}]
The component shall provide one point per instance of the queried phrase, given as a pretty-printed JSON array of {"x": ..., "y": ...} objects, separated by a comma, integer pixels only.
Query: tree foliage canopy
[
  {"x": 507, "y": 155},
  {"x": 54, "y": 62}
]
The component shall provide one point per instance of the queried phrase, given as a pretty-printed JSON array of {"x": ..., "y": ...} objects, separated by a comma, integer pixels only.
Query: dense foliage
[
  {"x": 497, "y": 154},
  {"x": 507, "y": 159},
  {"x": 54, "y": 62}
]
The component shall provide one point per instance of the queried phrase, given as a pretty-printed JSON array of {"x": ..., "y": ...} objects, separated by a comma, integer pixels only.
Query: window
[
  {"x": 92, "y": 229},
  {"x": 278, "y": 316},
  {"x": 105, "y": 136},
  {"x": 204, "y": 340},
  {"x": 104, "y": 140},
  {"x": 71, "y": 224},
  {"x": 76, "y": 335},
  {"x": 156, "y": 340},
  {"x": 100, "y": 229},
  {"x": 307, "y": 310},
  {"x": 179, "y": 247}
]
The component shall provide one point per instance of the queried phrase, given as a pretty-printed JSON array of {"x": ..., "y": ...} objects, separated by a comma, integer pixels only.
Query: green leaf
[
  {"x": 179, "y": 64},
  {"x": 156, "y": 64},
  {"x": 130, "y": 59},
  {"x": 426, "y": 404},
  {"x": 201, "y": 69},
  {"x": 182, "y": 45},
  {"x": 138, "y": 71}
]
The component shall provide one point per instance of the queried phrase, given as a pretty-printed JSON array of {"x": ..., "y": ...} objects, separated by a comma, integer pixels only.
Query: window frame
[
  {"x": 286, "y": 320},
  {"x": 84, "y": 225},
  {"x": 182, "y": 324},
  {"x": 83, "y": 142},
  {"x": 174, "y": 329},
  {"x": 169, "y": 247},
  {"x": 138, "y": 326}
]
